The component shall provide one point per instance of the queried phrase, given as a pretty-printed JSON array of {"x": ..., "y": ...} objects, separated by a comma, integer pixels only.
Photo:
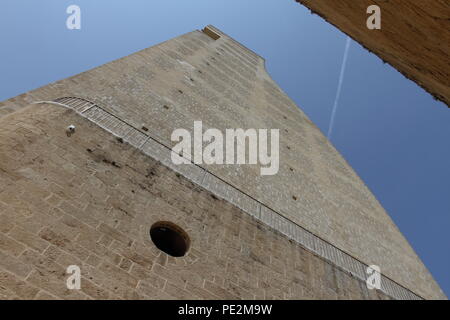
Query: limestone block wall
[
  {"x": 90, "y": 200},
  {"x": 223, "y": 190}
]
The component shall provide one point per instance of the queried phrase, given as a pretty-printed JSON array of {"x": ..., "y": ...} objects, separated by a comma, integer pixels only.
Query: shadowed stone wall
[
  {"x": 89, "y": 200},
  {"x": 194, "y": 77},
  {"x": 414, "y": 36}
]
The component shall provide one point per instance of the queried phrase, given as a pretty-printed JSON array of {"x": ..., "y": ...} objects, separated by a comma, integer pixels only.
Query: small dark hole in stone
[
  {"x": 144, "y": 128},
  {"x": 294, "y": 197},
  {"x": 115, "y": 164},
  {"x": 166, "y": 107},
  {"x": 120, "y": 140},
  {"x": 289, "y": 148},
  {"x": 214, "y": 197},
  {"x": 150, "y": 172},
  {"x": 89, "y": 150},
  {"x": 180, "y": 91},
  {"x": 170, "y": 238}
]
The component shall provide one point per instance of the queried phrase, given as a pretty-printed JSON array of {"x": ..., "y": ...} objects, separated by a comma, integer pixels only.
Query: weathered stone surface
[
  {"x": 232, "y": 255},
  {"x": 414, "y": 37}
]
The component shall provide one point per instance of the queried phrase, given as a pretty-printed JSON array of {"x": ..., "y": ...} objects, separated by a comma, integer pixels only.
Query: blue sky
[{"x": 391, "y": 131}]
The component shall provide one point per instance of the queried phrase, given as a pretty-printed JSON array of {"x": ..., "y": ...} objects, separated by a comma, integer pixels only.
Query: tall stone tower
[{"x": 87, "y": 180}]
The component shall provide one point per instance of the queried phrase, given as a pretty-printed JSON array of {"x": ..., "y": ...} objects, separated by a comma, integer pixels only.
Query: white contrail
[{"x": 338, "y": 93}]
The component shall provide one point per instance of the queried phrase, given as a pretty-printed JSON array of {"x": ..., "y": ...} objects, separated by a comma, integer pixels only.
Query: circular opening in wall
[{"x": 170, "y": 238}]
